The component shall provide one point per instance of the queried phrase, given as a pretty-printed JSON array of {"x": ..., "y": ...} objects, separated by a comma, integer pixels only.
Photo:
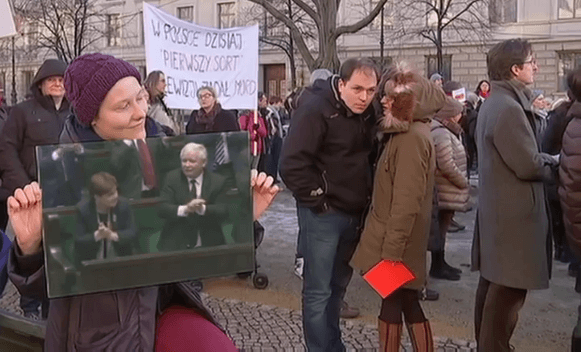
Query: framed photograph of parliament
[{"x": 131, "y": 213}]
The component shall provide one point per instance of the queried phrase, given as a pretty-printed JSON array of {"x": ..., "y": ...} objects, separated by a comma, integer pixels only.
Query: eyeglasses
[
  {"x": 206, "y": 96},
  {"x": 532, "y": 61}
]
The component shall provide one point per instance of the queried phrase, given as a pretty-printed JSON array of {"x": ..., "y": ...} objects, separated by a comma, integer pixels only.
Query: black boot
[
  {"x": 437, "y": 269},
  {"x": 448, "y": 266}
]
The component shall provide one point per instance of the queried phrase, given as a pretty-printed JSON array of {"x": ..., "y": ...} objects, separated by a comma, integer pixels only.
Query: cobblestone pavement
[{"x": 259, "y": 327}]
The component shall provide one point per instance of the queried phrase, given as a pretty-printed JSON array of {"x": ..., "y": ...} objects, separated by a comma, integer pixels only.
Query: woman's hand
[
  {"x": 25, "y": 214},
  {"x": 263, "y": 192}
]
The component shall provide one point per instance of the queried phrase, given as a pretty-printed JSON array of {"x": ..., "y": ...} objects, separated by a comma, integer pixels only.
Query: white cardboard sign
[{"x": 193, "y": 56}]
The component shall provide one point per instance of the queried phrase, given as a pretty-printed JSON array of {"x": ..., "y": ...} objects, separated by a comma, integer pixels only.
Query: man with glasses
[{"x": 512, "y": 245}]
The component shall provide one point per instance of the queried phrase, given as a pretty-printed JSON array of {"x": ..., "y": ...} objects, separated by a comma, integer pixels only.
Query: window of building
[
  {"x": 31, "y": 35},
  {"x": 226, "y": 15},
  {"x": 113, "y": 30},
  {"x": 387, "y": 60},
  {"x": 432, "y": 66},
  {"x": 387, "y": 15},
  {"x": 569, "y": 9},
  {"x": 2, "y": 84},
  {"x": 502, "y": 11},
  {"x": 27, "y": 77},
  {"x": 186, "y": 13},
  {"x": 568, "y": 61}
]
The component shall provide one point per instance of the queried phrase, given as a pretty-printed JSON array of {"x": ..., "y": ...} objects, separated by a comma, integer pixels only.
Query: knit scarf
[{"x": 206, "y": 119}]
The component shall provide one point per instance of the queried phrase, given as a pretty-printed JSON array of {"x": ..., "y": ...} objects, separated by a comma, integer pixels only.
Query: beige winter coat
[
  {"x": 398, "y": 222},
  {"x": 451, "y": 166}
]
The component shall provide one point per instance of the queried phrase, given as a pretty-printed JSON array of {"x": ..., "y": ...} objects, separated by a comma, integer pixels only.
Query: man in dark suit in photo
[
  {"x": 105, "y": 222},
  {"x": 193, "y": 203}
]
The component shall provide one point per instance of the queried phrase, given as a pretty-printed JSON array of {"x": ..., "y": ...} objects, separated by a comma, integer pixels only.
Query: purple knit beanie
[{"x": 88, "y": 79}]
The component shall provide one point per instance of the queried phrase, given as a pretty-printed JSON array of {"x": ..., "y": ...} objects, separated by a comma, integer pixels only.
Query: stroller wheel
[
  {"x": 245, "y": 275},
  {"x": 260, "y": 281},
  {"x": 197, "y": 285}
]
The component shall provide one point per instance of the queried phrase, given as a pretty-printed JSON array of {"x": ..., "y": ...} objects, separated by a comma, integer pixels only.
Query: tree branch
[
  {"x": 361, "y": 23},
  {"x": 296, "y": 34}
]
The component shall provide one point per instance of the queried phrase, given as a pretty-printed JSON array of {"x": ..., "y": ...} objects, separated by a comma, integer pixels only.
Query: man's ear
[{"x": 513, "y": 69}]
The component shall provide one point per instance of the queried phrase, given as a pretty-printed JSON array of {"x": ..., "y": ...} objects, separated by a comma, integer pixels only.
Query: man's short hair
[
  {"x": 357, "y": 64},
  {"x": 504, "y": 55},
  {"x": 275, "y": 100},
  {"x": 194, "y": 148},
  {"x": 102, "y": 183}
]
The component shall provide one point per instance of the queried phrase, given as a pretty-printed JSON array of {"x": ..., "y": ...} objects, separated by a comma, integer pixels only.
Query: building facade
[{"x": 551, "y": 25}]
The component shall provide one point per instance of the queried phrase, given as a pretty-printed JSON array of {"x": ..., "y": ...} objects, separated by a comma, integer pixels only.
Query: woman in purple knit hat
[{"x": 109, "y": 104}]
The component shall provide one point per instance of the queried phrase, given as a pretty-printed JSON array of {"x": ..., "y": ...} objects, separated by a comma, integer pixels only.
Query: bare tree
[
  {"x": 324, "y": 15},
  {"x": 66, "y": 27},
  {"x": 441, "y": 21},
  {"x": 274, "y": 33}
]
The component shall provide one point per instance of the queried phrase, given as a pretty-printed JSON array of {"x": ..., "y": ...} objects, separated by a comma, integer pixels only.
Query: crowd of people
[{"x": 378, "y": 162}]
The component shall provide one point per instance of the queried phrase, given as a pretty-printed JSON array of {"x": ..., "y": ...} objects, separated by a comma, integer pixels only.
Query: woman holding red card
[{"x": 397, "y": 225}]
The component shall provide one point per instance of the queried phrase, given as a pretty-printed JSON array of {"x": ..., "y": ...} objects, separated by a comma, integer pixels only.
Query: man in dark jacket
[
  {"x": 512, "y": 243},
  {"x": 325, "y": 163},
  {"x": 36, "y": 121}
]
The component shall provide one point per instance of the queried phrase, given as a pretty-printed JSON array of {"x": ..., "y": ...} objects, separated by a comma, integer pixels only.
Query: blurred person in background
[{"x": 155, "y": 85}]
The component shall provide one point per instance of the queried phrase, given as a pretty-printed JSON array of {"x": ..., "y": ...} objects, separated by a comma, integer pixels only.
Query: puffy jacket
[
  {"x": 451, "y": 167},
  {"x": 33, "y": 122},
  {"x": 325, "y": 156},
  {"x": 570, "y": 179},
  {"x": 123, "y": 320}
]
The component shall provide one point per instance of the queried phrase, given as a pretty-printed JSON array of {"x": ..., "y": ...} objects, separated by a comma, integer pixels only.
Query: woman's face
[
  {"x": 207, "y": 99},
  {"x": 122, "y": 112},
  {"x": 484, "y": 87},
  {"x": 160, "y": 86}
]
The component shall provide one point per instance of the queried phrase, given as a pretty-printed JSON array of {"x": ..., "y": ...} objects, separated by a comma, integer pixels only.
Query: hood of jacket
[
  {"x": 410, "y": 98},
  {"x": 51, "y": 67},
  {"x": 75, "y": 132}
]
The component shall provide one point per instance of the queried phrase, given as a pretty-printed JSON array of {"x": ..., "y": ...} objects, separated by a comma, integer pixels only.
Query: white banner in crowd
[
  {"x": 192, "y": 56},
  {"x": 7, "y": 28}
]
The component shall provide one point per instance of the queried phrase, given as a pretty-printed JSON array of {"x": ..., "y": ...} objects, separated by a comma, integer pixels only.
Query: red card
[{"x": 386, "y": 277}]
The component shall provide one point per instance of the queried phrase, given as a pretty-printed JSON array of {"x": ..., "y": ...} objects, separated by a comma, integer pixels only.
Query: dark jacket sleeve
[
  {"x": 228, "y": 122},
  {"x": 11, "y": 142},
  {"x": 557, "y": 123},
  {"x": 299, "y": 155},
  {"x": 27, "y": 272},
  {"x": 168, "y": 208},
  {"x": 217, "y": 207},
  {"x": 192, "y": 124},
  {"x": 126, "y": 228}
]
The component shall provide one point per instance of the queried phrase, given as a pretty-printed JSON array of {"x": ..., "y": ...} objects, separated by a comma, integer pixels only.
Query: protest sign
[
  {"x": 459, "y": 94},
  {"x": 8, "y": 28},
  {"x": 193, "y": 56}
]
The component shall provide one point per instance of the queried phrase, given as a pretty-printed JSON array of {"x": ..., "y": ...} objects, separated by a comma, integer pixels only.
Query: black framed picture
[{"x": 131, "y": 213}]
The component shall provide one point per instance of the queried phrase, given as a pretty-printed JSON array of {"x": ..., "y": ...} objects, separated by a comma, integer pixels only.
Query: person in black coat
[
  {"x": 558, "y": 120},
  {"x": 211, "y": 117},
  {"x": 105, "y": 222},
  {"x": 193, "y": 203},
  {"x": 36, "y": 121}
]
